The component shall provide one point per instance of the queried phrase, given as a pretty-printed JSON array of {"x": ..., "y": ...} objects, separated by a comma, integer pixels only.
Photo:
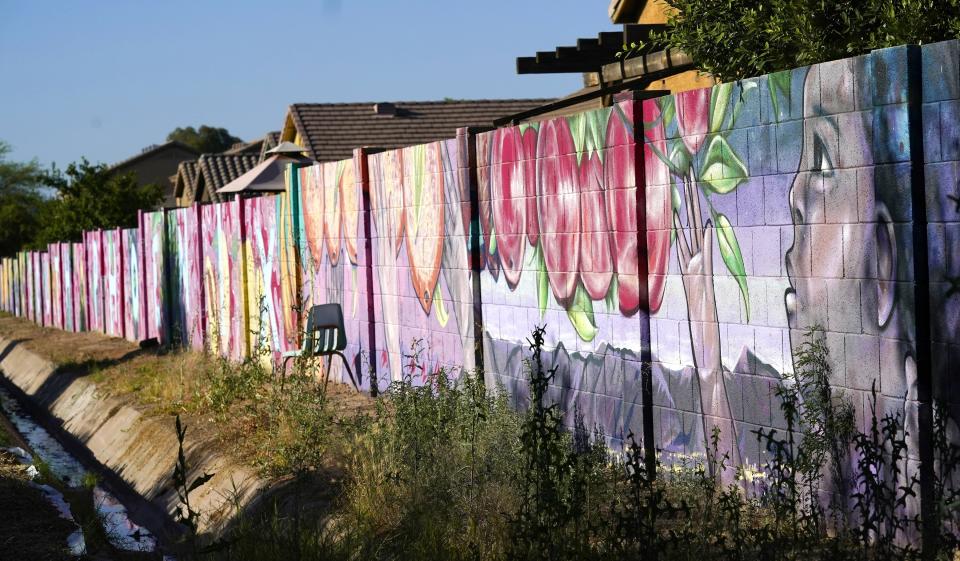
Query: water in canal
[{"x": 123, "y": 533}]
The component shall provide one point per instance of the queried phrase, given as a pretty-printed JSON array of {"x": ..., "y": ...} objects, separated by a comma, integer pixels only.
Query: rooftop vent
[{"x": 385, "y": 108}]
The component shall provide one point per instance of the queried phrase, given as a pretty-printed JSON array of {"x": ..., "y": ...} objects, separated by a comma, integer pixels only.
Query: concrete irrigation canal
[
  {"x": 71, "y": 436},
  {"x": 122, "y": 533}
]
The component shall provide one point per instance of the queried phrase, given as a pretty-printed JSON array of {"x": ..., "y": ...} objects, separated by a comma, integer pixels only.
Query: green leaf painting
[
  {"x": 524, "y": 126},
  {"x": 419, "y": 163},
  {"x": 732, "y": 257},
  {"x": 668, "y": 110},
  {"x": 543, "y": 282},
  {"x": 589, "y": 131},
  {"x": 581, "y": 316},
  {"x": 722, "y": 169},
  {"x": 719, "y": 99},
  {"x": 778, "y": 84},
  {"x": 442, "y": 316},
  {"x": 611, "y": 298}
]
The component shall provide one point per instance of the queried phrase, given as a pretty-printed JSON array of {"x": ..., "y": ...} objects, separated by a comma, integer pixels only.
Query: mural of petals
[
  {"x": 530, "y": 183},
  {"x": 620, "y": 180},
  {"x": 596, "y": 260},
  {"x": 693, "y": 113},
  {"x": 331, "y": 212},
  {"x": 558, "y": 205},
  {"x": 423, "y": 200},
  {"x": 484, "y": 172},
  {"x": 311, "y": 197},
  {"x": 349, "y": 204},
  {"x": 387, "y": 197},
  {"x": 659, "y": 206},
  {"x": 508, "y": 198}
]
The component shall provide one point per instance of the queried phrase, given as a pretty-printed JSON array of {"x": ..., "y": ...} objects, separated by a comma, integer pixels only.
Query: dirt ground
[{"x": 63, "y": 347}]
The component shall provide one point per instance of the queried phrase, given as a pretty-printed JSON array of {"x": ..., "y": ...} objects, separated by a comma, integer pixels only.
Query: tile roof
[
  {"x": 185, "y": 184},
  {"x": 216, "y": 170},
  {"x": 330, "y": 131},
  {"x": 198, "y": 180}
]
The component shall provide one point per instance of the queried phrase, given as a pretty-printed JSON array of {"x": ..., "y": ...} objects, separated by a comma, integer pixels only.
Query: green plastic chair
[{"x": 325, "y": 336}]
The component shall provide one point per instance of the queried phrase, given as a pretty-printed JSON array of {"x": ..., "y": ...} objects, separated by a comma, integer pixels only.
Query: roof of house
[
  {"x": 185, "y": 182},
  {"x": 152, "y": 150},
  {"x": 270, "y": 140},
  {"x": 330, "y": 131},
  {"x": 258, "y": 146},
  {"x": 199, "y": 180}
]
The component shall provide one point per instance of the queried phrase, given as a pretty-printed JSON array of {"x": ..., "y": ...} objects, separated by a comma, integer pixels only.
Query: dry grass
[{"x": 239, "y": 406}]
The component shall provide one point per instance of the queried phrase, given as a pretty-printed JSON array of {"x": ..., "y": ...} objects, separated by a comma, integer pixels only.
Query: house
[
  {"x": 330, "y": 131},
  {"x": 157, "y": 164},
  {"x": 655, "y": 13},
  {"x": 258, "y": 146},
  {"x": 197, "y": 180}
]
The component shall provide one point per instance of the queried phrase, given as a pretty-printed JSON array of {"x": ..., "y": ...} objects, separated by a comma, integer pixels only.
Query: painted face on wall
[
  {"x": 849, "y": 260},
  {"x": 806, "y": 300}
]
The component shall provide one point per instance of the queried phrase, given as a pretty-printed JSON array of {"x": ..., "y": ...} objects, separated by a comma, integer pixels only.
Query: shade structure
[
  {"x": 266, "y": 177},
  {"x": 286, "y": 147}
]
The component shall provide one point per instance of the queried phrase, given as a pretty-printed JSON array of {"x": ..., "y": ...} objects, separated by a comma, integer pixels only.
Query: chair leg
[
  {"x": 346, "y": 364},
  {"x": 326, "y": 375}
]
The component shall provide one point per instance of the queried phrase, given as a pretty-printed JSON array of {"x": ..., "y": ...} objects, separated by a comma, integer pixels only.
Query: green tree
[
  {"x": 21, "y": 201},
  {"x": 206, "y": 140},
  {"x": 90, "y": 197},
  {"x": 736, "y": 39}
]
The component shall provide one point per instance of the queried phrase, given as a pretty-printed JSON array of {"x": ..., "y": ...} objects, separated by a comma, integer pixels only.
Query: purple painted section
[
  {"x": 423, "y": 288},
  {"x": 334, "y": 254}
]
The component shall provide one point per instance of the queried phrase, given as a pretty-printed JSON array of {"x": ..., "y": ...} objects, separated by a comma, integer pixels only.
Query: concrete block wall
[
  {"x": 334, "y": 254},
  {"x": 423, "y": 283},
  {"x": 692, "y": 238},
  {"x": 560, "y": 248},
  {"x": 941, "y": 157}
]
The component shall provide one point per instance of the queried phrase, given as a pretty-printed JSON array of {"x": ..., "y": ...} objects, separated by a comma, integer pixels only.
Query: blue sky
[{"x": 105, "y": 79}]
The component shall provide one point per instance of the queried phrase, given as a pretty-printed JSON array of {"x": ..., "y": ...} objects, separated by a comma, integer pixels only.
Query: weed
[{"x": 186, "y": 514}]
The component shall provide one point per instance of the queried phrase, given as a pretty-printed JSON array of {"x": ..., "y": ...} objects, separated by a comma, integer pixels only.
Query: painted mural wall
[
  {"x": 93, "y": 248},
  {"x": 694, "y": 238},
  {"x": 66, "y": 285},
  {"x": 333, "y": 222},
  {"x": 56, "y": 288},
  {"x": 79, "y": 286},
  {"x": 273, "y": 297},
  {"x": 558, "y": 215},
  {"x": 183, "y": 256},
  {"x": 152, "y": 238},
  {"x": 113, "y": 296},
  {"x": 423, "y": 287},
  {"x": 222, "y": 288},
  {"x": 941, "y": 157}
]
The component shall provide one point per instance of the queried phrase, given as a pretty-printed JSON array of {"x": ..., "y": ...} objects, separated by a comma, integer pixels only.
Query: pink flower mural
[{"x": 558, "y": 206}]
